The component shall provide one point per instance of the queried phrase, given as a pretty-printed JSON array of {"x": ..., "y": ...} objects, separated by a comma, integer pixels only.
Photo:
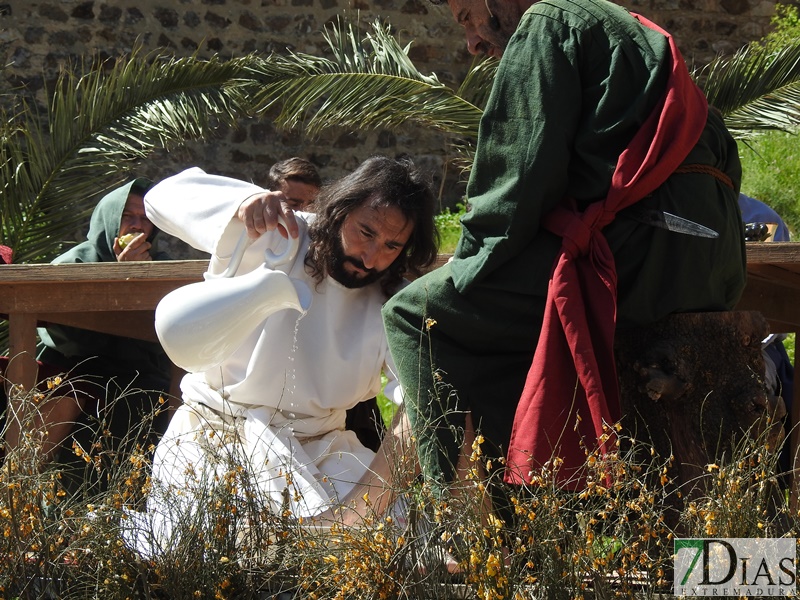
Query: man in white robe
[{"x": 277, "y": 405}]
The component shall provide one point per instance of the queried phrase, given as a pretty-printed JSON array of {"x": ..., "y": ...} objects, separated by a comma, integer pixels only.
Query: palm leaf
[
  {"x": 369, "y": 83},
  {"x": 478, "y": 82},
  {"x": 102, "y": 120},
  {"x": 756, "y": 89},
  {"x": 100, "y": 124}
]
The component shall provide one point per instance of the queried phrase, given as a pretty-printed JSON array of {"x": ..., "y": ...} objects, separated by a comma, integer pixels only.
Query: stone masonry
[{"x": 37, "y": 37}]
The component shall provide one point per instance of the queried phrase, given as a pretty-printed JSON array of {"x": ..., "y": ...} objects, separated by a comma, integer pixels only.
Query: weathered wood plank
[{"x": 178, "y": 270}]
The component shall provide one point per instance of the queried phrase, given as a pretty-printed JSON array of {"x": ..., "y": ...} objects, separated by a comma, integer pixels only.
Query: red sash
[{"x": 571, "y": 397}]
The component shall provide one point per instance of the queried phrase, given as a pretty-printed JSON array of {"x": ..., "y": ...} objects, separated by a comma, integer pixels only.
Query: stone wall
[{"x": 37, "y": 37}]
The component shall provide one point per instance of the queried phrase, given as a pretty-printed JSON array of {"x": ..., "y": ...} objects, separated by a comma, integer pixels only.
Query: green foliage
[
  {"x": 102, "y": 118},
  {"x": 449, "y": 225},
  {"x": 771, "y": 173},
  {"x": 786, "y": 23},
  {"x": 369, "y": 83},
  {"x": 755, "y": 90},
  {"x": 387, "y": 407}
]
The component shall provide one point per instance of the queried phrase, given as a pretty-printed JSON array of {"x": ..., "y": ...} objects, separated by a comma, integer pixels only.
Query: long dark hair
[{"x": 379, "y": 181}]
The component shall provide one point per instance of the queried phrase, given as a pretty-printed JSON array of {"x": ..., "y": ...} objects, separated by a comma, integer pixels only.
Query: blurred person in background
[{"x": 111, "y": 387}]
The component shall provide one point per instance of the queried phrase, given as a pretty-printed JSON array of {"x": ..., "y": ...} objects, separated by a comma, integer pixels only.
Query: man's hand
[
  {"x": 260, "y": 213},
  {"x": 136, "y": 249}
]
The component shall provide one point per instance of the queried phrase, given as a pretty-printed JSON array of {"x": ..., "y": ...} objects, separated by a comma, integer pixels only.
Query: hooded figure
[
  {"x": 117, "y": 380},
  {"x": 66, "y": 347}
]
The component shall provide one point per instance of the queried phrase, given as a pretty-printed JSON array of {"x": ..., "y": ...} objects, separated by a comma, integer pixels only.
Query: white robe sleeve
[
  {"x": 392, "y": 389},
  {"x": 196, "y": 207}
]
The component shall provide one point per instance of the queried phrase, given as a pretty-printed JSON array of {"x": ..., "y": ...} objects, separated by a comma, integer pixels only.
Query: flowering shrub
[{"x": 612, "y": 538}]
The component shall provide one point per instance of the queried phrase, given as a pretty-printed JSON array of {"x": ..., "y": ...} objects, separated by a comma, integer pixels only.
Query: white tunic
[{"x": 283, "y": 394}]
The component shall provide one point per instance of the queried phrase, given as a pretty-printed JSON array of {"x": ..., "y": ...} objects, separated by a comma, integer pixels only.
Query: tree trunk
[{"x": 692, "y": 384}]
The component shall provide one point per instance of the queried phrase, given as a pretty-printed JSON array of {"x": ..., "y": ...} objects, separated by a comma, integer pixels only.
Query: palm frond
[
  {"x": 369, "y": 83},
  {"x": 756, "y": 89},
  {"x": 103, "y": 119},
  {"x": 478, "y": 82}
]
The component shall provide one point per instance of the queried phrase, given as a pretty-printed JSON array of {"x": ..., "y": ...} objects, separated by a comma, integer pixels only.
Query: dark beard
[{"x": 347, "y": 279}]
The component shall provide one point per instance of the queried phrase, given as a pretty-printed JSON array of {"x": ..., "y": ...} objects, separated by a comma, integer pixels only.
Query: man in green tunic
[{"x": 576, "y": 82}]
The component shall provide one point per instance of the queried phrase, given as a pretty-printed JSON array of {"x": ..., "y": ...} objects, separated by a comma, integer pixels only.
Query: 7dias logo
[{"x": 735, "y": 567}]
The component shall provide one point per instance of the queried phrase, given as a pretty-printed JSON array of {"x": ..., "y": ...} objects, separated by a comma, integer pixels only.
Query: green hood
[{"x": 104, "y": 226}]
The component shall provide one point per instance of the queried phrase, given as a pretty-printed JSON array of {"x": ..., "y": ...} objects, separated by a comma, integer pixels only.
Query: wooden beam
[{"x": 22, "y": 367}]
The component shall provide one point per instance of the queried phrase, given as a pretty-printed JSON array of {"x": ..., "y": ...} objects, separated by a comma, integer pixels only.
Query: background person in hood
[{"x": 111, "y": 384}]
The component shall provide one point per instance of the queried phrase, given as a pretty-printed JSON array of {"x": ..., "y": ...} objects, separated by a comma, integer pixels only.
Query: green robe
[{"x": 576, "y": 81}]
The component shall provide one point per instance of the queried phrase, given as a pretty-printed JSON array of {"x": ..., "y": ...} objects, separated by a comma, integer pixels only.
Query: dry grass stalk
[{"x": 612, "y": 539}]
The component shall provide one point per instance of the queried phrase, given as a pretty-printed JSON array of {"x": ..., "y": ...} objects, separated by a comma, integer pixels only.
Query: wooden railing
[
  {"x": 120, "y": 298},
  {"x": 116, "y": 298}
]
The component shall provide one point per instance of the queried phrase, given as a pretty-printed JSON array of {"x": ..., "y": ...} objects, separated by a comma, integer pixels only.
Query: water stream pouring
[{"x": 201, "y": 324}]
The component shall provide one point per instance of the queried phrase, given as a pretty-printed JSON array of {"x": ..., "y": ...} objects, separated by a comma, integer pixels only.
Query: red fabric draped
[
  {"x": 571, "y": 394},
  {"x": 5, "y": 255}
]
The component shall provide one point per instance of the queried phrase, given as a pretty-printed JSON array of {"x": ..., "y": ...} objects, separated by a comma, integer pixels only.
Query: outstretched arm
[{"x": 196, "y": 207}]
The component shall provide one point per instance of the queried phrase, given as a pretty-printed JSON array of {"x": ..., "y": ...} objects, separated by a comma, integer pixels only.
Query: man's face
[
  {"x": 484, "y": 34},
  {"x": 134, "y": 219},
  {"x": 371, "y": 238},
  {"x": 298, "y": 194}
]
